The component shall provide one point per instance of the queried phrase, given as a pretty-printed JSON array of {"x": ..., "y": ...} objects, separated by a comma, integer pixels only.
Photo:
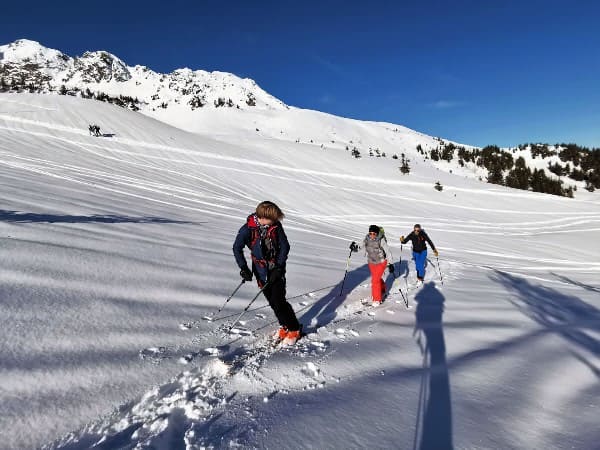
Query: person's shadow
[
  {"x": 401, "y": 272},
  {"x": 436, "y": 431},
  {"x": 323, "y": 312}
]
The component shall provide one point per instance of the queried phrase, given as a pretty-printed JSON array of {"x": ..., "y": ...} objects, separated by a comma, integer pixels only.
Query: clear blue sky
[{"x": 478, "y": 72}]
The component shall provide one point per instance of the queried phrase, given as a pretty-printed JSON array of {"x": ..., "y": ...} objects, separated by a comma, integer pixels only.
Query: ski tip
[{"x": 210, "y": 319}]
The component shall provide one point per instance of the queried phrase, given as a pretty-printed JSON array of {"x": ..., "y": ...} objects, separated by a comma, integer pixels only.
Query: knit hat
[{"x": 373, "y": 229}]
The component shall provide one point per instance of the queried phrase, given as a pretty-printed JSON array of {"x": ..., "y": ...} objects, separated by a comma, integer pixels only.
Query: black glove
[
  {"x": 354, "y": 246},
  {"x": 391, "y": 268},
  {"x": 276, "y": 274},
  {"x": 246, "y": 274}
]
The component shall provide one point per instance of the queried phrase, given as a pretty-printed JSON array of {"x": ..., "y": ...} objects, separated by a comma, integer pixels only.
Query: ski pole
[
  {"x": 247, "y": 307},
  {"x": 407, "y": 270},
  {"x": 266, "y": 306},
  {"x": 439, "y": 270},
  {"x": 227, "y": 301},
  {"x": 405, "y": 298},
  {"x": 347, "y": 266},
  {"x": 400, "y": 259}
]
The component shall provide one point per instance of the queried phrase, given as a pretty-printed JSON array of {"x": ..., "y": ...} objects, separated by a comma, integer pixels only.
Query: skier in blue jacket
[
  {"x": 418, "y": 238},
  {"x": 263, "y": 234}
]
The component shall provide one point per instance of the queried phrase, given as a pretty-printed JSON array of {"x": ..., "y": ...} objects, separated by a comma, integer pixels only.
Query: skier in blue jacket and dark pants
[
  {"x": 263, "y": 234},
  {"x": 418, "y": 238}
]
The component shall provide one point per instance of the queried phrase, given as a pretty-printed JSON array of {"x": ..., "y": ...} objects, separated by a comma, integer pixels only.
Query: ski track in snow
[
  {"x": 176, "y": 413},
  {"x": 245, "y": 162},
  {"x": 42, "y": 167},
  {"x": 514, "y": 294}
]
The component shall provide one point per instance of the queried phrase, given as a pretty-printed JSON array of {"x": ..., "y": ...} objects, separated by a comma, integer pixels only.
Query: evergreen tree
[
  {"x": 519, "y": 176},
  {"x": 541, "y": 183},
  {"x": 196, "y": 102},
  {"x": 404, "y": 168},
  {"x": 447, "y": 153},
  {"x": 577, "y": 175},
  {"x": 495, "y": 176},
  {"x": 556, "y": 169}
]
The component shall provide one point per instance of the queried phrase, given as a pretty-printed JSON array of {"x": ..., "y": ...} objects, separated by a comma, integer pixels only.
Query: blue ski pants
[{"x": 420, "y": 260}]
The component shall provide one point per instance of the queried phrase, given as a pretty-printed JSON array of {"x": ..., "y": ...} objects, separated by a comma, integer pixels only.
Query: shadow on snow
[
  {"x": 21, "y": 217},
  {"x": 587, "y": 287},
  {"x": 324, "y": 310},
  {"x": 567, "y": 315},
  {"x": 434, "y": 398}
]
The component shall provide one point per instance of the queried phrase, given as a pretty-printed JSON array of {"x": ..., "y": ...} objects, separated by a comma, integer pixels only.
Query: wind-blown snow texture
[{"x": 115, "y": 248}]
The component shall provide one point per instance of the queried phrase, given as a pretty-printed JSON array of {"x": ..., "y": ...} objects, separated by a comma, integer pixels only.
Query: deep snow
[{"x": 115, "y": 248}]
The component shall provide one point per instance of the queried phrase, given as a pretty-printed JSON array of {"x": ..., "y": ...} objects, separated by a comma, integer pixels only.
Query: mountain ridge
[{"x": 102, "y": 71}]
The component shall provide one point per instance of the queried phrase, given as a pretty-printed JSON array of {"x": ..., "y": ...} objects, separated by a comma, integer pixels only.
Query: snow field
[{"x": 114, "y": 249}]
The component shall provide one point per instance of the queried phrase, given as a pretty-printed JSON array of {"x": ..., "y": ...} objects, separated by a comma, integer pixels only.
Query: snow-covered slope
[
  {"x": 115, "y": 248},
  {"x": 169, "y": 98},
  {"x": 222, "y": 104}
]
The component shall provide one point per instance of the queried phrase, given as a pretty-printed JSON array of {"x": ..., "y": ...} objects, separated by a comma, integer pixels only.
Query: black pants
[{"x": 275, "y": 294}]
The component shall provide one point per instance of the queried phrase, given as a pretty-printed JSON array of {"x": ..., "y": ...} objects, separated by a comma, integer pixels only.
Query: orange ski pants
[{"x": 377, "y": 283}]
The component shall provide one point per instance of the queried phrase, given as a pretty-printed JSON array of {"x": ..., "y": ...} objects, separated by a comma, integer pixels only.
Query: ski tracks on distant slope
[{"x": 197, "y": 154}]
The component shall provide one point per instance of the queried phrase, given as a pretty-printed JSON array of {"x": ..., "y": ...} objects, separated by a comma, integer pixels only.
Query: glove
[
  {"x": 391, "y": 268},
  {"x": 246, "y": 274},
  {"x": 435, "y": 252},
  {"x": 276, "y": 274},
  {"x": 401, "y": 238},
  {"x": 354, "y": 246}
]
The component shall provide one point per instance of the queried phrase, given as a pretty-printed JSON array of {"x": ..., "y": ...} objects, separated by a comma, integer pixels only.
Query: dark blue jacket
[
  {"x": 418, "y": 241},
  {"x": 267, "y": 253}
]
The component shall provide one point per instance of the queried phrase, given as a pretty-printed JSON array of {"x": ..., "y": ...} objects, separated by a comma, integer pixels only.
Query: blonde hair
[{"x": 269, "y": 210}]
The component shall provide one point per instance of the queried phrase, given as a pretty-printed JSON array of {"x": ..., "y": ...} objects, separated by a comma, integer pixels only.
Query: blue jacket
[
  {"x": 418, "y": 241},
  {"x": 267, "y": 252}
]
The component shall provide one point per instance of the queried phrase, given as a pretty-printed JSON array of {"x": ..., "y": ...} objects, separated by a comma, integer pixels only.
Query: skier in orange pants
[{"x": 377, "y": 251}]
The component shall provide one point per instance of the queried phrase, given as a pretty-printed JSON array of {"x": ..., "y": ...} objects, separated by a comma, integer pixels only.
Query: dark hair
[
  {"x": 417, "y": 225},
  {"x": 373, "y": 229}
]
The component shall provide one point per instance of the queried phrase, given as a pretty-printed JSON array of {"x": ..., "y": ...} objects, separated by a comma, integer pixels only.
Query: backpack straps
[{"x": 267, "y": 244}]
